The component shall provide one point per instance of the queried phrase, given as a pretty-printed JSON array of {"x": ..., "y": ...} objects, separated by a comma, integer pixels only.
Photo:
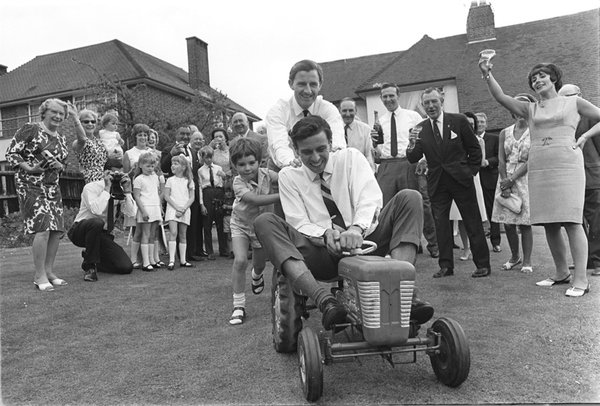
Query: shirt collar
[
  {"x": 298, "y": 110},
  {"x": 327, "y": 171},
  {"x": 440, "y": 119}
]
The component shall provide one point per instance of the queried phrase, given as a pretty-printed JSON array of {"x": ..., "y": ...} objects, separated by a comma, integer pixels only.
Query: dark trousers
[
  {"x": 591, "y": 214},
  {"x": 394, "y": 175},
  {"x": 401, "y": 221},
  {"x": 488, "y": 198},
  {"x": 195, "y": 238},
  {"x": 100, "y": 249},
  {"x": 466, "y": 201},
  {"x": 213, "y": 216}
]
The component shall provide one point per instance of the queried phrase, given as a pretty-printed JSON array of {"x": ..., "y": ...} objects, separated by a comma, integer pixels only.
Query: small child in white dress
[
  {"x": 110, "y": 137},
  {"x": 179, "y": 195},
  {"x": 146, "y": 192}
]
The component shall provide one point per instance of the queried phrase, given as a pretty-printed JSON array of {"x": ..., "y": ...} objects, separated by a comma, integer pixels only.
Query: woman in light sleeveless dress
[{"x": 555, "y": 166}]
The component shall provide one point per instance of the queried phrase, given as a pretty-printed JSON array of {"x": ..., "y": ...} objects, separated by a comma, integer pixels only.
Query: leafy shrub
[{"x": 11, "y": 229}]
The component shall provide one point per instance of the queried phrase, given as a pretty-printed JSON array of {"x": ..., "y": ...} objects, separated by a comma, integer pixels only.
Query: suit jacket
[
  {"x": 196, "y": 164},
  {"x": 165, "y": 160},
  {"x": 459, "y": 154},
  {"x": 489, "y": 174}
]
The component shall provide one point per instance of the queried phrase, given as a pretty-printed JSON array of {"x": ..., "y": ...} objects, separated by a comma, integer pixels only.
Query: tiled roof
[
  {"x": 571, "y": 42},
  {"x": 60, "y": 72},
  {"x": 341, "y": 78}
]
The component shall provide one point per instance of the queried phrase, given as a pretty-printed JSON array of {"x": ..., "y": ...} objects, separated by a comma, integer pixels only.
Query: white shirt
[
  {"x": 359, "y": 137},
  {"x": 282, "y": 117},
  {"x": 405, "y": 120},
  {"x": 94, "y": 202},
  {"x": 353, "y": 188},
  {"x": 204, "y": 176}
]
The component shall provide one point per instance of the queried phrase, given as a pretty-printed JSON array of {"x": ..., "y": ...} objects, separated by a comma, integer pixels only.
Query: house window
[{"x": 12, "y": 118}]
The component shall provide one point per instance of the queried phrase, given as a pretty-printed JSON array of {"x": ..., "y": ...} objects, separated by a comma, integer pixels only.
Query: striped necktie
[
  {"x": 436, "y": 132},
  {"x": 334, "y": 213}
]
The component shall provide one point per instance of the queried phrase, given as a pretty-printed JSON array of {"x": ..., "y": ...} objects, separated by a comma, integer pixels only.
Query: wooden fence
[{"x": 71, "y": 186}]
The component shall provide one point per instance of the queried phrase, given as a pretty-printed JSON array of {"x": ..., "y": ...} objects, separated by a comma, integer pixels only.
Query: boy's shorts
[{"x": 242, "y": 230}]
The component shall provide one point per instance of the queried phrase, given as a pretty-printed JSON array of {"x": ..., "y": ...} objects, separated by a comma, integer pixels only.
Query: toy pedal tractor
[{"x": 377, "y": 293}]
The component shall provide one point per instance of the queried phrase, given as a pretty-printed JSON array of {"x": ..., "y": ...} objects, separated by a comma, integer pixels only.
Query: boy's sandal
[
  {"x": 510, "y": 265},
  {"x": 186, "y": 265},
  {"x": 148, "y": 268},
  {"x": 238, "y": 316},
  {"x": 137, "y": 265},
  {"x": 156, "y": 266},
  {"x": 258, "y": 285},
  {"x": 527, "y": 269},
  {"x": 171, "y": 266},
  {"x": 160, "y": 264}
]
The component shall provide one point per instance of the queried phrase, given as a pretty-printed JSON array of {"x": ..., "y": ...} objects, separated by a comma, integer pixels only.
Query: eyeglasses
[{"x": 88, "y": 121}]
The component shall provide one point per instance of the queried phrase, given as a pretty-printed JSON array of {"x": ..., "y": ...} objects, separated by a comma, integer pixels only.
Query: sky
[{"x": 252, "y": 44}]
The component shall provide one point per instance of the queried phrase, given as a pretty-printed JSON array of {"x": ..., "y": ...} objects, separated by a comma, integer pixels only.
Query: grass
[{"x": 163, "y": 338}]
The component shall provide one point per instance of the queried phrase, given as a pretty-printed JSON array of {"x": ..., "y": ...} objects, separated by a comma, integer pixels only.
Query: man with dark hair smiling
[
  {"x": 305, "y": 79},
  {"x": 310, "y": 244}
]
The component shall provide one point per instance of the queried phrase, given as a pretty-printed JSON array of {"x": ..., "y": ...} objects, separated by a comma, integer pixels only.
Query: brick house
[
  {"x": 571, "y": 42},
  {"x": 68, "y": 74}
]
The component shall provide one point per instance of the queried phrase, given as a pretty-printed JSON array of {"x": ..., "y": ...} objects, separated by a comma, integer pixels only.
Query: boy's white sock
[
  {"x": 239, "y": 299},
  {"x": 151, "y": 253}
]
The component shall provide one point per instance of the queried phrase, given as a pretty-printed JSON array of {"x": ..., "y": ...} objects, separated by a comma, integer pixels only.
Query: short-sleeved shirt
[{"x": 243, "y": 212}]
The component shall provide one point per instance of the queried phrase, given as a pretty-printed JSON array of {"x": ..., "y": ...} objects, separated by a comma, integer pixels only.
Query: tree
[{"x": 206, "y": 109}]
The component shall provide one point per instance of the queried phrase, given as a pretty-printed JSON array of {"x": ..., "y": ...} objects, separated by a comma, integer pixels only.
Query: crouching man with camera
[{"x": 94, "y": 223}]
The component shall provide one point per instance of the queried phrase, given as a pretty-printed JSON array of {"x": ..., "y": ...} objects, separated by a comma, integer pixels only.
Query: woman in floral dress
[
  {"x": 513, "y": 155},
  {"x": 37, "y": 153},
  {"x": 90, "y": 151}
]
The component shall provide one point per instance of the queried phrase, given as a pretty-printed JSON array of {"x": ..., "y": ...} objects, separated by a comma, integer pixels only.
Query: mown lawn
[{"x": 163, "y": 338}]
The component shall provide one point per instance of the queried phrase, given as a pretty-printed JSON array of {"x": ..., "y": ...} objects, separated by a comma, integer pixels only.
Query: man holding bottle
[{"x": 395, "y": 173}]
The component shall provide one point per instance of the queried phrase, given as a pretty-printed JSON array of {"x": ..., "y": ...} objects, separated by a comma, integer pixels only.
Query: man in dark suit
[
  {"x": 488, "y": 176},
  {"x": 195, "y": 239},
  {"x": 453, "y": 156},
  {"x": 181, "y": 146}
]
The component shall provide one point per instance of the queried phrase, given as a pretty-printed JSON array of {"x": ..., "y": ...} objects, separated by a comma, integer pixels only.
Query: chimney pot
[
  {"x": 197, "y": 62},
  {"x": 3, "y": 69}
]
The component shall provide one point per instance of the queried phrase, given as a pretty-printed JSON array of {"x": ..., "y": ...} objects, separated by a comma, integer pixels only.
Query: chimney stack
[
  {"x": 3, "y": 69},
  {"x": 197, "y": 62},
  {"x": 480, "y": 22}
]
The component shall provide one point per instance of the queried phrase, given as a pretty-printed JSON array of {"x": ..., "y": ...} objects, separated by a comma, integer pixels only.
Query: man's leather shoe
[
  {"x": 480, "y": 272},
  {"x": 421, "y": 311},
  {"x": 333, "y": 313},
  {"x": 90, "y": 275},
  {"x": 197, "y": 258},
  {"x": 444, "y": 272}
]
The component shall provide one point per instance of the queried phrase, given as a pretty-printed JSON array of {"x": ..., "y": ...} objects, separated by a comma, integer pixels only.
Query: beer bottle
[{"x": 377, "y": 128}]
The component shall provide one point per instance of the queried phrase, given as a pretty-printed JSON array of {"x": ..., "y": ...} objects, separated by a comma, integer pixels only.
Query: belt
[
  {"x": 212, "y": 187},
  {"x": 397, "y": 158}
]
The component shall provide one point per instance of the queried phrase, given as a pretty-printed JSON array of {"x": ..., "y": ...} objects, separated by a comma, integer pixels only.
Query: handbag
[{"x": 513, "y": 202}]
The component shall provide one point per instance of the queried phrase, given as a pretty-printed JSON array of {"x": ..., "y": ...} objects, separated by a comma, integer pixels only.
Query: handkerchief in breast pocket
[{"x": 453, "y": 135}]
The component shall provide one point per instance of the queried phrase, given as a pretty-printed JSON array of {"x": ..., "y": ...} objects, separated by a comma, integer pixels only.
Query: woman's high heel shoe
[
  {"x": 44, "y": 287},
  {"x": 577, "y": 292}
]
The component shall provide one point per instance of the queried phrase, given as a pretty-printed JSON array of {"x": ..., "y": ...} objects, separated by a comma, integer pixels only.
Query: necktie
[
  {"x": 394, "y": 136},
  {"x": 110, "y": 215},
  {"x": 306, "y": 113},
  {"x": 334, "y": 213},
  {"x": 436, "y": 132},
  {"x": 346, "y": 127},
  {"x": 211, "y": 176}
]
